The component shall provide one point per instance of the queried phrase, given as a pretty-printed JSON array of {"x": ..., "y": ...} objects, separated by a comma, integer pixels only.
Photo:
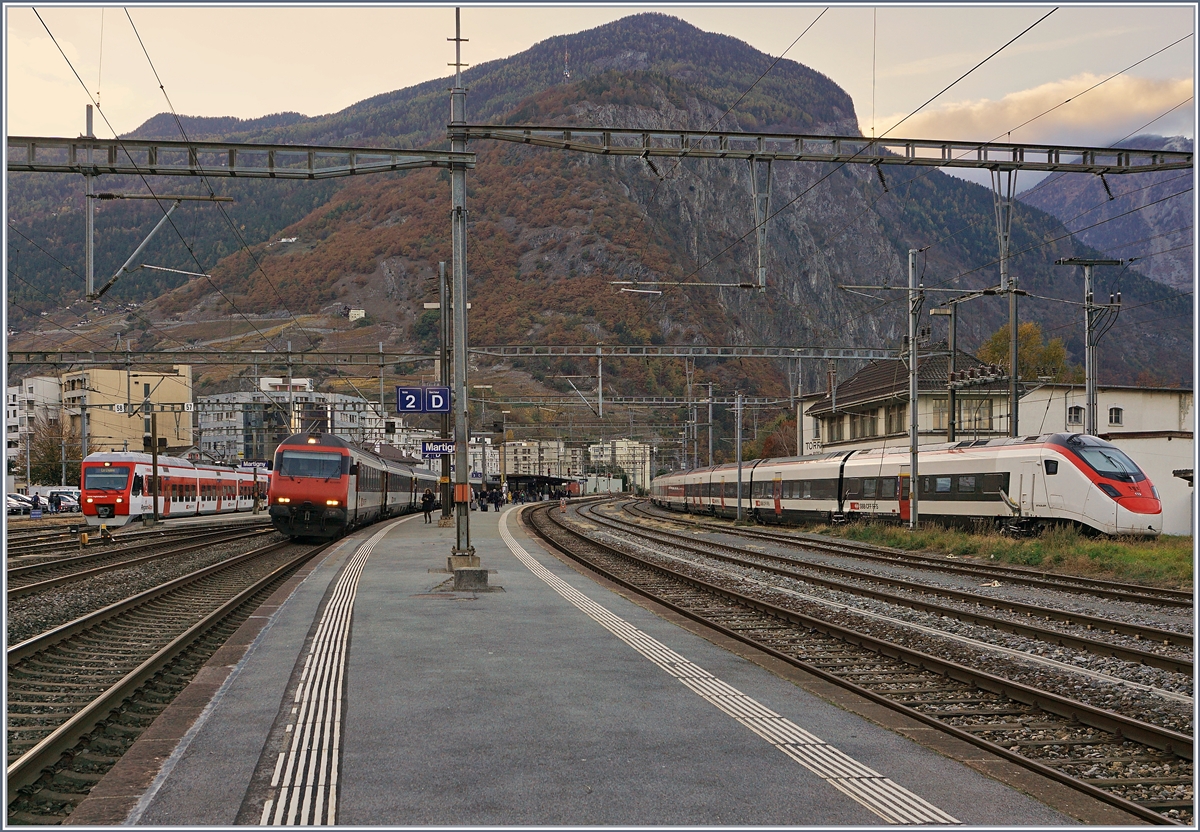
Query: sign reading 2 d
[{"x": 423, "y": 399}]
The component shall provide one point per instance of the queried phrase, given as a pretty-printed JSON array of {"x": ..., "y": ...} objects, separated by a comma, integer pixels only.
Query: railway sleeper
[{"x": 1139, "y": 781}]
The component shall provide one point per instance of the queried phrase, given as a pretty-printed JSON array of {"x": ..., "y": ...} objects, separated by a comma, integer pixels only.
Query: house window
[
  {"x": 1075, "y": 415},
  {"x": 1116, "y": 416},
  {"x": 836, "y": 430},
  {"x": 940, "y": 410},
  {"x": 894, "y": 416},
  {"x": 975, "y": 414},
  {"x": 862, "y": 425}
]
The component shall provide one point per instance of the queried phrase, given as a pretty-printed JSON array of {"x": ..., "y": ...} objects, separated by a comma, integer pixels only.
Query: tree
[
  {"x": 1035, "y": 357},
  {"x": 48, "y": 443}
]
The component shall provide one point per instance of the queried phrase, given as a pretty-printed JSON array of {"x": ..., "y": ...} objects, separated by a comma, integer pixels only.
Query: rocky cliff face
[{"x": 550, "y": 230}]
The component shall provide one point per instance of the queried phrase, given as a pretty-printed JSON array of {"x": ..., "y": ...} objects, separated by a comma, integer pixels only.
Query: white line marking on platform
[
  {"x": 868, "y": 788},
  {"x": 307, "y": 790}
]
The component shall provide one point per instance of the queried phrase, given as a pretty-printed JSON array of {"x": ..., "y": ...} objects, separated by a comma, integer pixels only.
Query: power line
[
  {"x": 807, "y": 190},
  {"x": 142, "y": 176},
  {"x": 220, "y": 207}
]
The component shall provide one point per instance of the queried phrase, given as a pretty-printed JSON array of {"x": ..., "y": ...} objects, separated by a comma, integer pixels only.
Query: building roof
[{"x": 886, "y": 381}]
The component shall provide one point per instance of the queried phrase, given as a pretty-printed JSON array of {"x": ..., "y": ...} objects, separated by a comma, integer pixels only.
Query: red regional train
[
  {"x": 118, "y": 487},
  {"x": 321, "y": 487},
  {"x": 1023, "y": 484}
]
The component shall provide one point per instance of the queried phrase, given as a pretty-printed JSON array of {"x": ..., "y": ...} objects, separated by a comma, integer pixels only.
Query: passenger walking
[{"x": 427, "y": 505}]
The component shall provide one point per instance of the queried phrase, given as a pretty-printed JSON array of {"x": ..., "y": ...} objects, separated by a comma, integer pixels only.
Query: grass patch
[{"x": 1165, "y": 561}]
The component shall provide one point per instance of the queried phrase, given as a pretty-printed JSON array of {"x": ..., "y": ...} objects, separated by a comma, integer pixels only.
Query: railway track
[
  {"x": 80, "y": 694},
  {"x": 1142, "y": 768},
  {"x": 910, "y": 594},
  {"x": 25, "y": 580},
  {"x": 56, "y": 544},
  {"x": 1116, "y": 591}
]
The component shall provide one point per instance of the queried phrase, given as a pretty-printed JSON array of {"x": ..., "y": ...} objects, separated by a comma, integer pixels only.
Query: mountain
[
  {"x": 549, "y": 230},
  {"x": 1146, "y": 217}
]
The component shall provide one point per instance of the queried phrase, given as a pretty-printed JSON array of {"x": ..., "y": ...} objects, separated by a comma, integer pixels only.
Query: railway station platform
[{"x": 368, "y": 692}]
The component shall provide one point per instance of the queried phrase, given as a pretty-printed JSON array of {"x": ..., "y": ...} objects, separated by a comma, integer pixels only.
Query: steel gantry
[{"x": 762, "y": 149}]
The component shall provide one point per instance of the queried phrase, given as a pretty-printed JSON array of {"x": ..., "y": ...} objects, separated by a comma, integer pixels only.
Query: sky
[{"x": 248, "y": 61}]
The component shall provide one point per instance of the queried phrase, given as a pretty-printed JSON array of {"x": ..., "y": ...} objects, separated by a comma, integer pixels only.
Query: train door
[
  {"x": 722, "y": 495},
  {"x": 777, "y": 494},
  {"x": 905, "y": 502},
  {"x": 1027, "y": 487}
]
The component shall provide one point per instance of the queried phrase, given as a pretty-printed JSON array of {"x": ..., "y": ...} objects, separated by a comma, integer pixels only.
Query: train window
[
  {"x": 887, "y": 488},
  {"x": 1051, "y": 466},
  {"x": 853, "y": 487},
  {"x": 943, "y": 485},
  {"x": 966, "y": 484},
  {"x": 868, "y": 488},
  {"x": 995, "y": 483},
  {"x": 137, "y": 485},
  {"x": 806, "y": 489},
  {"x": 312, "y": 464}
]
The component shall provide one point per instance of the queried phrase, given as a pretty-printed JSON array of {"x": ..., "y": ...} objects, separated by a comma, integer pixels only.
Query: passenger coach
[{"x": 1022, "y": 484}]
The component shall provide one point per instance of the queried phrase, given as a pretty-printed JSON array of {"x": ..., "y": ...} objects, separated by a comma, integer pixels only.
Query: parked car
[
  {"x": 19, "y": 504},
  {"x": 68, "y": 503}
]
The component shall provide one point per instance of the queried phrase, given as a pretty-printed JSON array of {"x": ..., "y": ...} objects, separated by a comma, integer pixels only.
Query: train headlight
[
  {"x": 331, "y": 502},
  {"x": 1108, "y": 489},
  {"x": 119, "y": 500},
  {"x": 283, "y": 499},
  {"x": 90, "y": 500},
  {"x": 1154, "y": 491}
]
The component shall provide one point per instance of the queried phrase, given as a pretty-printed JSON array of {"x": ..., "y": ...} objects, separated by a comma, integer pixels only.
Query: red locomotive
[{"x": 321, "y": 487}]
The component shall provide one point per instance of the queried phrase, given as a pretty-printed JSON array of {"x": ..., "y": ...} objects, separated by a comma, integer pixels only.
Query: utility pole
[
  {"x": 444, "y": 369},
  {"x": 89, "y": 209},
  {"x": 952, "y": 401},
  {"x": 1089, "y": 340},
  {"x": 710, "y": 426},
  {"x": 458, "y": 303},
  {"x": 913, "y": 310},
  {"x": 1003, "y": 192},
  {"x": 739, "y": 455}
]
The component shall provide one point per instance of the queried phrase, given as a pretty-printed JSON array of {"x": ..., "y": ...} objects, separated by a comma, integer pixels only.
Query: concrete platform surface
[{"x": 374, "y": 694}]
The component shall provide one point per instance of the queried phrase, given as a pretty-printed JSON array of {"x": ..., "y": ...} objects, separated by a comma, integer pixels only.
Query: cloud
[{"x": 1095, "y": 118}]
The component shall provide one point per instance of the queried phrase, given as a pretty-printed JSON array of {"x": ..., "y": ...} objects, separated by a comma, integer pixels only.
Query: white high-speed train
[{"x": 1026, "y": 483}]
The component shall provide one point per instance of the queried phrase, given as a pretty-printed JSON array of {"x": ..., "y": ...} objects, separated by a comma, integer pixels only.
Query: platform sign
[
  {"x": 410, "y": 399},
  {"x": 437, "y": 399},
  {"x": 437, "y": 447},
  {"x": 423, "y": 399}
]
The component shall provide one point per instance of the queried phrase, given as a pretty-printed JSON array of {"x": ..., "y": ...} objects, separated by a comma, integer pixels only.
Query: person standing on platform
[{"x": 427, "y": 505}]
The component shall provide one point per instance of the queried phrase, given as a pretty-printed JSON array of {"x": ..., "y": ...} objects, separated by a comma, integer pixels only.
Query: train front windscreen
[
  {"x": 106, "y": 478},
  {"x": 316, "y": 464}
]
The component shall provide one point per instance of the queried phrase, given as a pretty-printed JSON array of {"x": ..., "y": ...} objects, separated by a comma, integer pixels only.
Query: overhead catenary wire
[
  {"x": 233, "y": 226},
  {"x": 841, "y": 165},
  {"x": 142, "y": 176}
]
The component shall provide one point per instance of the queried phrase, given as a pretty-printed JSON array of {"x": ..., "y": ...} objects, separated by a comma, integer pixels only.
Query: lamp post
[{"x": 503, "y": 453}]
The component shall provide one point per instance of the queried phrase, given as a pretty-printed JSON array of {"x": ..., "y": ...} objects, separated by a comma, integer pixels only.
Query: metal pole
[
  {"x": 291, "y": 393},
  {"x": 458, "y": 302},
  {"x": 382, "y": 404},
  {"x": 952, "y": 423},
  {"x": 912, "y": 386},
  {"x": 1014, "y": 374},
  {"x": 799, "y": 407},
  {"x": 710, "y": 425},
  {"x": 739, "y": 456},
  {"x": 89, "y": 211},
  {"x": 154, "y": 459},
  {"x": 600, "y": 375},
  {"x": 1089, "y": 353},
  {"x": 444, "y": 370}
]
